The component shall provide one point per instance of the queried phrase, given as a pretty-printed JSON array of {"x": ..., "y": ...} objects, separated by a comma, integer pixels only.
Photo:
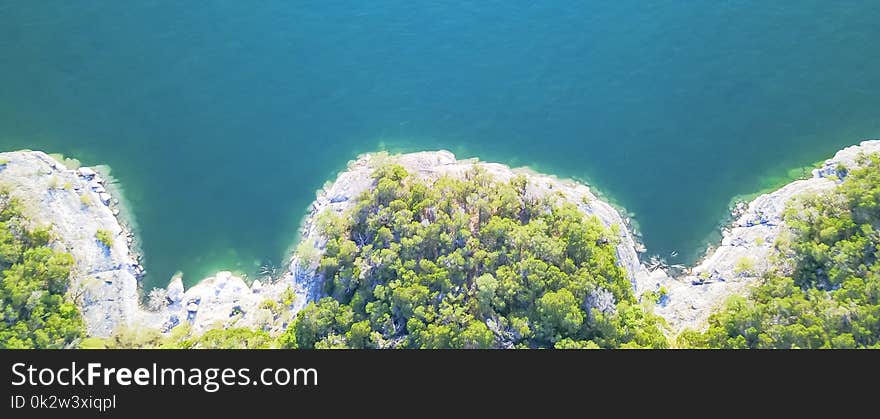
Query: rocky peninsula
[{"x": 79, "y": 202}]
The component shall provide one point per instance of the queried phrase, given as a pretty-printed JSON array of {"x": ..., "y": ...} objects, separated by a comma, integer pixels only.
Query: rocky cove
[{"x": 80, "y": 202}]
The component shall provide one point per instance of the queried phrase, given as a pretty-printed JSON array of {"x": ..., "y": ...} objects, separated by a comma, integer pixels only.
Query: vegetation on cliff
[
  {"x": 469, "y": 263},
  {"x": 181, "y": 337},
  {"x": 831, "y": 299},
  {"x": 33, "y": 282}
]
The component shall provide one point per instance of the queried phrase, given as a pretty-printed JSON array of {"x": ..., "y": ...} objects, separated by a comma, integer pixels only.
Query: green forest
[{"x": 34, "y": 312}]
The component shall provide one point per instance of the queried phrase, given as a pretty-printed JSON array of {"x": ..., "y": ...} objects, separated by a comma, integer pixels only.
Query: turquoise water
[{"x": 221, "y": 119}]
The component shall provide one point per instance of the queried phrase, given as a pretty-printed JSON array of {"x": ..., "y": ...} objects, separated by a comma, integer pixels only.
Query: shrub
[
  {"x": 104, "y": 237},
  {"x": 157, "y": 299},
  {"x": 744, "y": 266}
]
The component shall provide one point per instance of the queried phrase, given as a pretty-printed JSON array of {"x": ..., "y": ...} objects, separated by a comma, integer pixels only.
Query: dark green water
[{"x": 221, "y": 119}]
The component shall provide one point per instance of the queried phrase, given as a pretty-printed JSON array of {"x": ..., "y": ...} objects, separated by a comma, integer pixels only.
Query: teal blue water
[{"x": 222, "y": 118}]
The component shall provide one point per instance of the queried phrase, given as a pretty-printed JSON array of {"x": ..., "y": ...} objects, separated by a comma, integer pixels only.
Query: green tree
[
  {"x": 34, "y": 309},
  {"x": 105, "y": 238}
]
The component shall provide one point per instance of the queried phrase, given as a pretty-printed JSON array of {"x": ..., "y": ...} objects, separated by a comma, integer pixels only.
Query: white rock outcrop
[{"x": 221, "y": 301}]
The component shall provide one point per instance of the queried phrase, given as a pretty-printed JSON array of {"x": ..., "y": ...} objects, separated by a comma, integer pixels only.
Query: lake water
[{"x": 222, "y": 118}]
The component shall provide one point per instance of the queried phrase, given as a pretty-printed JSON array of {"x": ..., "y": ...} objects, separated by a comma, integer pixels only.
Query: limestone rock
[{"x": 175, "y": 290}]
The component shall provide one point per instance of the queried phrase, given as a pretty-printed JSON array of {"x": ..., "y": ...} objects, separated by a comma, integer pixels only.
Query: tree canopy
[
  {"x": 469, "y": 263},
  {"x": 33, "y": 281}
]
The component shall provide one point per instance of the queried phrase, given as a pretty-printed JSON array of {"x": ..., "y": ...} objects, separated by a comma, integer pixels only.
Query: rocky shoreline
[
  {"x": 76, "y": 204},
  {"x": 743, "y": 255},
  {"x": 105, "y": 283}
]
